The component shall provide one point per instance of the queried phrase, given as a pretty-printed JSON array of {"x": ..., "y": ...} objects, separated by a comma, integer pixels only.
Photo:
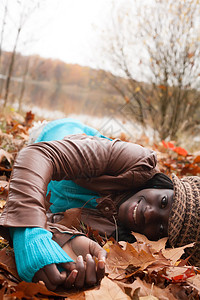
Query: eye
[{"x": 164, "y": 202}]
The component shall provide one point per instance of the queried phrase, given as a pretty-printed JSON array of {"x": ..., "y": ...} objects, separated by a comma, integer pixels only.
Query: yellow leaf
[
  {"x": 137, "y": 89},
  {"x": 2, "y": 203},
  {"x": 107, "y": 246}
]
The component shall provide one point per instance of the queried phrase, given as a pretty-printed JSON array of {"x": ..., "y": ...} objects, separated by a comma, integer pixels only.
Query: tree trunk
[{"x": 10, "y": 70}]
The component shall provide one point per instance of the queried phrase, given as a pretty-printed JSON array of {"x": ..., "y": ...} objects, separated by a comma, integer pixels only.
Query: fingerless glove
[{"x": 34, "y": 249}]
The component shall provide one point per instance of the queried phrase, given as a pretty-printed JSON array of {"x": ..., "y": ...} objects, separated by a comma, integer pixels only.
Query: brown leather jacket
[{"x": 112, "y": 168}]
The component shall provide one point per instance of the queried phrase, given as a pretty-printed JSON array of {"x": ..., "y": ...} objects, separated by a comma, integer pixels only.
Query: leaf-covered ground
[{"x": 143, "y": 270}]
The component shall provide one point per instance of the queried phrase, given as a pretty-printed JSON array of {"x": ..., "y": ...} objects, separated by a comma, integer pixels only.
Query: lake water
[
  {"x": 112, "y": 126},
  {"x": 108, "y": 125}
]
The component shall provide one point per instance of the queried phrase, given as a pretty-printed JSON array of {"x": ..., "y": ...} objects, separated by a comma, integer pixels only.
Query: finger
[
  {"x": 54, "y": 276},
  {"x": 97, "y": 250},
  {"x": 41, "y": 276},
  {"x": 71, "y": 279},
  {"x": 90, "y": 276},
  {"x": 100, "y": 270},
  {"x": 80, "y": 279},
  {"x": 69, "y": 266},
  {"x": 102, "y": 254}
]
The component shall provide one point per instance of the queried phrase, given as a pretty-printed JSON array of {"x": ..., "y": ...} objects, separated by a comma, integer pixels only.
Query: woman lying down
[{"x": 72, "y": 165}]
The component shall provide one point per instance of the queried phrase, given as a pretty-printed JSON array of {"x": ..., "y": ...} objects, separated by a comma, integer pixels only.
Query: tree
[
  {"x": 16, "y": 21},
  {"x": 3, "y": 24},
  {"x": 23, "y": 86},
  {"x": 155, "y": 46}
]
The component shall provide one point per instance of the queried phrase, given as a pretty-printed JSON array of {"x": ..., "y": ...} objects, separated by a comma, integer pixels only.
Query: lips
[
  {"x": 132, "y": 217},
  {"x": 135, "y": 217},
  {"x": 135, "y": 213}
]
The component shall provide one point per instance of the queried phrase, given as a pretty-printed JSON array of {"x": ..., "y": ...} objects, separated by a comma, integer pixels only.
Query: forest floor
[{"x": 143, "y": 270}]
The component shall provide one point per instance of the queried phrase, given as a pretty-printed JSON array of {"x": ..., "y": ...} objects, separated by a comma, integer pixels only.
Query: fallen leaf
[
  {"x": 180, "y": 151},
  {"x": 190, "y": 55},
  {"x": 119, "y": 259},
  {"x": 164, "y": 144},
  {"x": 23, "y": 136},
  {"x": 71, "y": 218},
  {"x": 107, "y": 246},
  {"x": 147, "y": 289},
  {"x": 148, "y": 298},
  {"x": 194, "y": 282},
  {"x": 2, "y": 203},
  {"x": 183, "y": 292},
  {"x": 174, "y": 254},
  {"x": 162, "y": 87},
  {"x": 108, "y": 290},
  {"x": 7, "y": 262},
  {"x": 171, "y": 145},
  {"x": 137, "y": 89},
  {"x": 29, "y": 289},
  {"x": 127, "y": 99},
  {"x": 179, "y": 274},
  {"x": 197, "y": 159},
  {"x": 2, "y": 291},
  {"x": 5, "y": 155},
  {"x": 29, "y": 118},
  {"x": 155, "y": 246}
]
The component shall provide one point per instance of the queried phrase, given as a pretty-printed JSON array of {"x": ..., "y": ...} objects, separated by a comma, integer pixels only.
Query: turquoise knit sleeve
[{"x": 34, "y": 249}]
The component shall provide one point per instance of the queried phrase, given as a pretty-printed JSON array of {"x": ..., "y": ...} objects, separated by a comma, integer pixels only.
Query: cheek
[
  {"x": 151, "y": 232},
  {"x": 166, "y": 216}
]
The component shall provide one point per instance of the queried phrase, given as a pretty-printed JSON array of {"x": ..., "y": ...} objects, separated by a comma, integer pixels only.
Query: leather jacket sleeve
[{"x": 78, "y": 157}]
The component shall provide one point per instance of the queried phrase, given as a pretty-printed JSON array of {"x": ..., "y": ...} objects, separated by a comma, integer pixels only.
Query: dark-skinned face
[{"x": 147, "y": 212}]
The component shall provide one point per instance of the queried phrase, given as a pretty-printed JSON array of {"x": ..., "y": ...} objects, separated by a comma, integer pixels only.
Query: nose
[{"x": 151, "y": 215}]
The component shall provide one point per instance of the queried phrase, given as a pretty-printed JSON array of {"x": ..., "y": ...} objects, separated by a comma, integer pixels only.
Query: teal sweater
[{"x": 34, "y": 247}]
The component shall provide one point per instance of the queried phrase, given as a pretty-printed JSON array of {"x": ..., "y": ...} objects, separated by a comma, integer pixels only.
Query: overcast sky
[
  {"x": 64, "y": 29},
  {"x": 70, "y": 33}
]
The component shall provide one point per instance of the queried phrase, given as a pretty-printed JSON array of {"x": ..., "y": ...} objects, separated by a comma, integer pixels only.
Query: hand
[
  {"x": 88, "y": 273},
  {"x": 76, "y": 274},
  {"x": 52, "y": 278}
]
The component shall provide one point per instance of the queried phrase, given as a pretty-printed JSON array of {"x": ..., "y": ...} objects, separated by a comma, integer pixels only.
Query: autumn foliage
[{"x": 142, "y": 270}]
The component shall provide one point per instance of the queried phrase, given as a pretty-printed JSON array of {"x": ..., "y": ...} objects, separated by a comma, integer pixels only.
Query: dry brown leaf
[
  {"x": 7, "y": 262},
  {"x": 177, "y": 272},
  {"x": 174, "y": 254},
  {"x": 5, "y": 154},
  {"x": 2, "y": 291},
  {"x": 7, "y": 280},
  {"x": 119, "y": 259},
  {"x": 194, "y": 282},
  {"x": 108, "y": 290},
  {"x": 71, "y": 218},
  {"x": 29, "y": 118},
  {"x": 75, "y": 296},
  {"x": 23, "y": 136},
  {"x": 148, "y": 298},
  {"x": 160, "y": 263},
  {"x": 154, "y": 246},
  {"x": 147, "y": 289},
  {"x": 2, "y": 203},
  {"x": 142, "y": 246},
  {"x": 4, "y": 184},
  {"x": 26, "y": 290},
  {"x": 183, "y": 292}
]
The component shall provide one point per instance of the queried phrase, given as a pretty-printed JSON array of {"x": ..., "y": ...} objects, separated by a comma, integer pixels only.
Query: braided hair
[{"x": 159, "y": 181}]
